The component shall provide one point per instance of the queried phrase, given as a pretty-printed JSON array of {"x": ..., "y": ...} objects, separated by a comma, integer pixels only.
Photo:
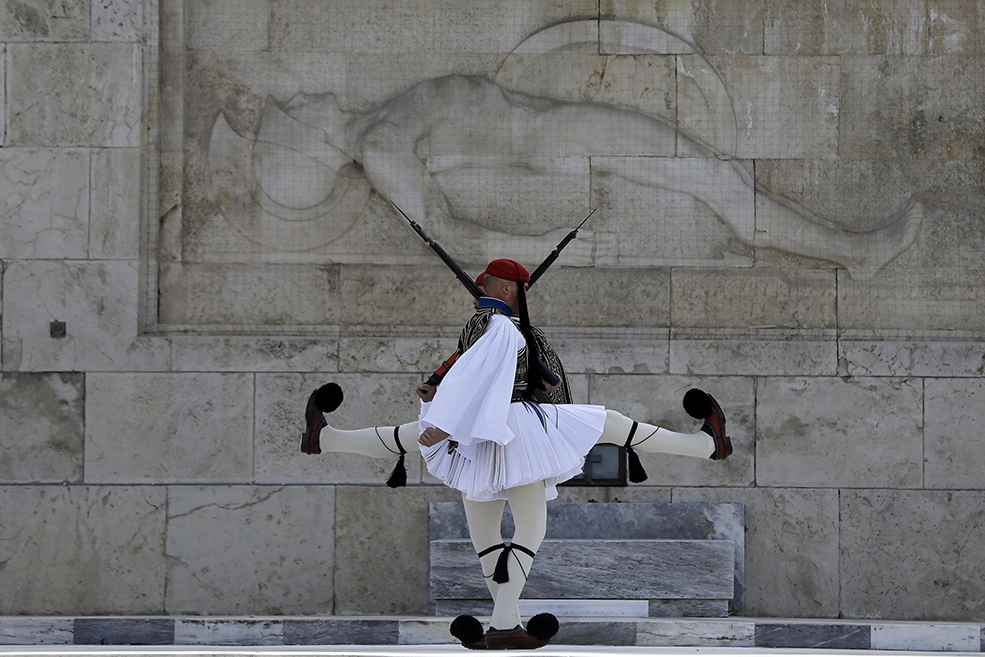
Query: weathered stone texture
[
  {"x": 890, "y": 27},
  {"x": 160, "y": 428},
  {"x": 74, "y": 95},
  {"x": 820, "y": 432},
  {"x": 227, "y": 25},
  {"x": 706, "y": 632},
  {"x": 98, "y": 302},
  {"x": 44, "y": 208},
  {"x": 82, "y": 550},
  {"x": 769, "y": 352},
  {"x": 228, "y": 632},
  {"x": 955, "y": 27},
  {"x": 394, "y": 354},
  {"x": 928, "y": 535},
  {"x": 862, "y": 357},
  {"x": 657, "y": 400},
  {"x": 39, "y": 20},
  {"x": 117, "y": 20},
  {"x": 114, "y": 209},
  {"x": 629, "y": 354},
  {"x": 247, "y": 550},
  {"x": 254, "y": 354},
  {"x": 41, "y": 427},
  {"x": 955, "y": 410},
  {"x": 385, "y": 532},
  {"x": 792, "y": 544}
]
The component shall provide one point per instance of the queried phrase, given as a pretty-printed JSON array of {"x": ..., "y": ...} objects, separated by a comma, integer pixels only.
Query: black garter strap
[
  {"x": 502, "y": 573},
  {"x": 398, "y": 477},
  {"x": 637, "y": 473}
]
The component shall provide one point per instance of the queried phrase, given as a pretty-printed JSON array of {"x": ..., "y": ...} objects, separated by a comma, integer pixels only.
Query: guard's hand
[
  {"x": 548, "y": 388},
  {"x": 432, "y": 436},
  {"x": 426, "y": 392}
]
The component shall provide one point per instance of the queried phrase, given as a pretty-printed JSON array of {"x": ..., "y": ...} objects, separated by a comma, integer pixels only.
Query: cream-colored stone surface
[
  {"x": 425, "y": 632},
  {"x": 254, "y": 354},
  {"x": 227, "y": 25},
  {"x": 753, "y": 298},
  {"x": 955, "y": 410},
  {"x": 370, "y": 400},
  {"x": 44, "y": 208},
  {"x": 249, "y": 294},
  {"x": 608, "y": 297},
  {"x": 169, "y": 428},
  {"x": 939, "y": 358},
  {"x": 785, "y": 107},
  {"x": 74, "y": 95},
  {"x": 396, "y": 296},
  {"x": 39, "y": 20},
  {"x": 792, "y": 548},
  {"x": 642, "y": 354},
  {"x": 911, "y": 107},
  {"x": 394, "y": 354},
  {"x": 833, "y": 432},
  {"x": 114, "y": 208},
  {"x": 883, "y": 27},
  {"x": 3, "y": 94},
  {"x": 914, "y": 547},
  {"x": 714, "y": 26},
  {"x": 41, "y": 427},
  {"x": 955, "y": 28},
  {"x": 657, "y": 400},
  {"x": 225, "y": 632},
  {"x": 98, "y": 302},
  {"x": 945, "y": 298},
  {"x": 764, "y": 353},
  {"x": 117, "y": 20},
  {"x": 384, "y": 532},
  {"x": 247, "y": 550},
  {"x": 732, "y": 633},
  {"x": 82, "y": 550}
]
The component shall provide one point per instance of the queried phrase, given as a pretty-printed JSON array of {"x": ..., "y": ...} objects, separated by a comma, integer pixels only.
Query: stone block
[
  {"x": 254, "y": 354},
  {"x": 377, "y": 26},
  {"x": 98, "y": 302},
  {"x": 730, "y": 633},
  {"x": 370, "y": 400},
  {"x": 16, "y": 631},
  {"x": 955, "y": 28},
  {"x": 596, "y": 633},
  {"x": 37, "y": 20},
  {"x": 341, "y": 631},
  {"x": 765, "y": 352},
  {"x": 114, "y": 208},
  {"x": 41, "y": 427},
  {"x": 189, "y": 428},
  {"x": 618, "y": 569},
  {"x": 117, "y": 20},
  {"x": 82, "y": 550},
  {"x": 244, "y": 550},
  {"x": 954, "y": 410},
  {"x": 124, "y": 631},
  {"x": 44, "y": 210},
  {"x": 801, "y": 121},
  {"x": 425, "y": 632},
  {"x": 931, "y": 637},
  {"x": 919, "y": 301},
  {"x": 801, "y": 525},
  {"x": 909, "y": 554},
  {"x": 714, "y": 26},
  {"x": 884, "y": 27},
  {"x": 232, "y": 632},
  {"x": 657, "y": 400},
  {"x": 601, "y": 298},
  {"x": 837, "y": 636},
  {"x": 249, "y": 294},
  {"x": 760, "y": 298},
  {"x": 379, "y": 354},
  {"x": 820, "y": 432},
  {"x": 630, "y": 352},
  {"x": 382, "y": 548},
  {"x": 227, "y": 25},
  {"x": 74, "y": 94},
  {"x": 887, "y": 357},
  {"x": 910, "y": 107}
]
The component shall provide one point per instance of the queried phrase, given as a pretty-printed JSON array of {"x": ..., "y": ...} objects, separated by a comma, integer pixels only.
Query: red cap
[{"x": 508, "y": 270}]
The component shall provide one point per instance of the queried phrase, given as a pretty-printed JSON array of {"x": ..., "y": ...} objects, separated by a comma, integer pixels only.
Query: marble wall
[{"x": 794, "y": 224}]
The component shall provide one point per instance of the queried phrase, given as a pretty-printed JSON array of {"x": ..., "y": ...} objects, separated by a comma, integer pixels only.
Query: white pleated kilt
[{"x": 549, "y": 444}]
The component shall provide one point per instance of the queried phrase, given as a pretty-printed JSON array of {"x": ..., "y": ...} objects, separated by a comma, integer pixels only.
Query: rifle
[
  {"x": 557, "y": 251},
  {"x": 447, "y": 259}
]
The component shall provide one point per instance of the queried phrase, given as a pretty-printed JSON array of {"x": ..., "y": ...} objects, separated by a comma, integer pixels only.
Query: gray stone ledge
[{"x": 733, "y": 632}]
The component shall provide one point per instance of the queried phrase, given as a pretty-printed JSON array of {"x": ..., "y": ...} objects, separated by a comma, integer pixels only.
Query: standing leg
[
  {"x": 485, "y": 520},
  {"x": 529, "y": 507}
]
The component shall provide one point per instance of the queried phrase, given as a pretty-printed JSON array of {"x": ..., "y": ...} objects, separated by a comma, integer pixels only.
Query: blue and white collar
[{"x": 489, "y": 302}]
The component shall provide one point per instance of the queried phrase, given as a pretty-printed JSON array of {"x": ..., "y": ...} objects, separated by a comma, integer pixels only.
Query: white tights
[
  {"x": 377, "y": 442},
  {"x": 654, "y": 440}
]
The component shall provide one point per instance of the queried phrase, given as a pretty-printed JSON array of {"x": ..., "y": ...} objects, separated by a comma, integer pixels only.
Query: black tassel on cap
[
  {"x": 637, "y": 474},
  {"x": 398, "y": 477}
]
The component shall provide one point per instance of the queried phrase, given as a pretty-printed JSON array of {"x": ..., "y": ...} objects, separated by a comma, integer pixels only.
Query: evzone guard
[{"x": 498, "y": 425}]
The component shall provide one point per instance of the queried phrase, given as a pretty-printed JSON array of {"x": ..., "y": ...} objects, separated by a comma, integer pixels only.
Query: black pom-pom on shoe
[
  {"x": 697, "y": 403},
  {"x": 543, "y": 626},
  {"x": 468, "y": 630},
  {"x": 328, "y": 397}
]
